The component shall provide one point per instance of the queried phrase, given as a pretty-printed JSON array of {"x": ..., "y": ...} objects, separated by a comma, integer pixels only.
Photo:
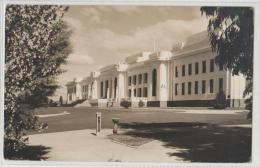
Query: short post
[
  {"x": 115, "y": 121},
  {"x": 98, "y": 121}
]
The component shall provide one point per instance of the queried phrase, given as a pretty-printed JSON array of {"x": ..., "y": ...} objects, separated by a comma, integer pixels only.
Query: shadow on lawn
[
  {"x": 29, "y": 153},
  {"x": 201, "y": 142}
]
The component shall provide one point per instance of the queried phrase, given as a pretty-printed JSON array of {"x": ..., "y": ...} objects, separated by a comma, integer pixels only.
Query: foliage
[
  {"x": 231, "y": 32},
  {"x": 36, "y": 45},
  {"x": 141, "y": 103},
  {"x": 220, "y": 101},
  {"x": 125, "y": 103}
]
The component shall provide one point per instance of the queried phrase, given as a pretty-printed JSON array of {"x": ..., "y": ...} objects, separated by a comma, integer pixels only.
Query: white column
[
  {"x": 162, "y": 78},
  {"x": 89, "y": 91},
  {"x": 94, "y": 90},
  {"x": 121, "y": 85},
  {"x": 78, "y": 91}
]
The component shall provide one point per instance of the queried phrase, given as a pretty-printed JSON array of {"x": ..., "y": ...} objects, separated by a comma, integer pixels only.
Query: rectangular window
[
  {"x": 189, "y": 88},
  {"x": 176, "y": 89},
  {"x": 139, "y": 92},
  {"x": 145, "y": 92},
  {"x": 211, "y": 86},
  {"x": 190, "y": 69},
  {"x": 196, "y": 68},
  {"x": 101, "y": 89},
  {"x": 129, "y": 92},
  {"x": 129, "y": 81},
  {"x": 134, "y": 92},
  {"x": 145, "y": 78},
  {"x": 220, "y": 84},
  {"x": 176, "y": 71},
  {"x": 203, "y": 66},
  {"x": 196, "y": 86},
  {"x": 203, "y": 88},
  {"x": 134, "y": 80},
  {"x": 221, "y": 68},
  {"x": 212, "y": 65},
  {"x": 183, "y": 88},
  {"x": 183, "y": 70},
  {"x": 140, "y": 79}
]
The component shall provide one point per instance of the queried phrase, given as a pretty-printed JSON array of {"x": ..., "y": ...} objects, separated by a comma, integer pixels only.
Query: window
[
  {"x": 129, "y": 81},
  {"x": 101, "y": 89},
  {"x": 140, "y": 79},
  {"x": 211, "y": 86},
  {"x": 196, "y": 87},
  {"x": 145, "y": 78},
  {"x": 212, "y": 65},
  {"x": 129, "y": 92},
  {"x": 106, "y": 87},
  {"x": 190, "y": 69},
  {"x": 134, "y": 80},
  {"x": 203, "y": 66},
  {"x": 196, "y": 68},
  {"x": 154, "y": 83},
  {"x": 203, "y": 90},
  {"x": 176, "y": 89},
  {"x": 189, "y": 88},
  {"x": 115, "y": 86},
  {"x": 183, "y": 88},
  {"x": 221, "y": 68},
  {"x": 145, "y": 92},
  {"x": 183, "y": 70},
  {"x": 220, "y": 84},
  {"x": 134, "y": 92},
  {"x": 176, "y": 71},
  {"x": 139, "y": 92}
]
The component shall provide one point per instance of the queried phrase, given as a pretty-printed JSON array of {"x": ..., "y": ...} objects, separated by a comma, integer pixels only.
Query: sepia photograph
[{"x": 128, "y": 83}]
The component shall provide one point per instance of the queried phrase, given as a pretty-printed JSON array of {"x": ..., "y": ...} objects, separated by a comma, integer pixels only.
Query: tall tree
[
  {"x": 36, "y": 45},
  {"x": 231, "y": 33}
]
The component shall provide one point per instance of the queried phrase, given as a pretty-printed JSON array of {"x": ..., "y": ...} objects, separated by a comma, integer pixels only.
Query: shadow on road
[
  {"x": 29, "y": 153},
  {"x": 200, "y": 142}
]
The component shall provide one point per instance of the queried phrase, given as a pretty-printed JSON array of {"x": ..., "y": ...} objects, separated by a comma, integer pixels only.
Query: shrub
[
  {"x": 220, "y": 101},
  {"x": 141, "y": 103},
  {"x": 125, "y": 104}
]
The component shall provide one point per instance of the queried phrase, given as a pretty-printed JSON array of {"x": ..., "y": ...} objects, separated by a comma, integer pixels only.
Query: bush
[
  {"x": 125, "y": 104},
  {"x": 141, "y": 103},
  {"x": 220, "y": 101}
]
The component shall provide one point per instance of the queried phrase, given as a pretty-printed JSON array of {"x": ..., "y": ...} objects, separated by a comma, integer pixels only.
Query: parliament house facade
[{"x": 186, "y": 76}]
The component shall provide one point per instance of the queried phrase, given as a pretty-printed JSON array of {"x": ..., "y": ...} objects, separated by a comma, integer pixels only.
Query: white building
[{"x": 185, "y": 76}]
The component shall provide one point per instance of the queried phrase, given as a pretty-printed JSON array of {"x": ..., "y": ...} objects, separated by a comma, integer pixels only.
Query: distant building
[{"x": 185, "y": 76}]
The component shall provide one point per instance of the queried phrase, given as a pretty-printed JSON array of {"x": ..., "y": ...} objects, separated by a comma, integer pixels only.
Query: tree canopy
[
  {"x": 36, "y": 45},
  {"x": 231, "y": 33}
]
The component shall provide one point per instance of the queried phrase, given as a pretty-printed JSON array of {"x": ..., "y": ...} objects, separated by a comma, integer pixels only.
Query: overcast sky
[{"x": 103, "y": 35}]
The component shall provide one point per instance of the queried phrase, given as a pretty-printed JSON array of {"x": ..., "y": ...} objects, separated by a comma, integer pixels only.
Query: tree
[
  {"x": 36, "y": 45},
  {"x": 61, "y": 100},
  {"x": 231, "y": 33}
]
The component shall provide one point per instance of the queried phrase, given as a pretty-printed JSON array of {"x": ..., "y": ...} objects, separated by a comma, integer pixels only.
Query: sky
[{"x": 104, "y": 35}]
